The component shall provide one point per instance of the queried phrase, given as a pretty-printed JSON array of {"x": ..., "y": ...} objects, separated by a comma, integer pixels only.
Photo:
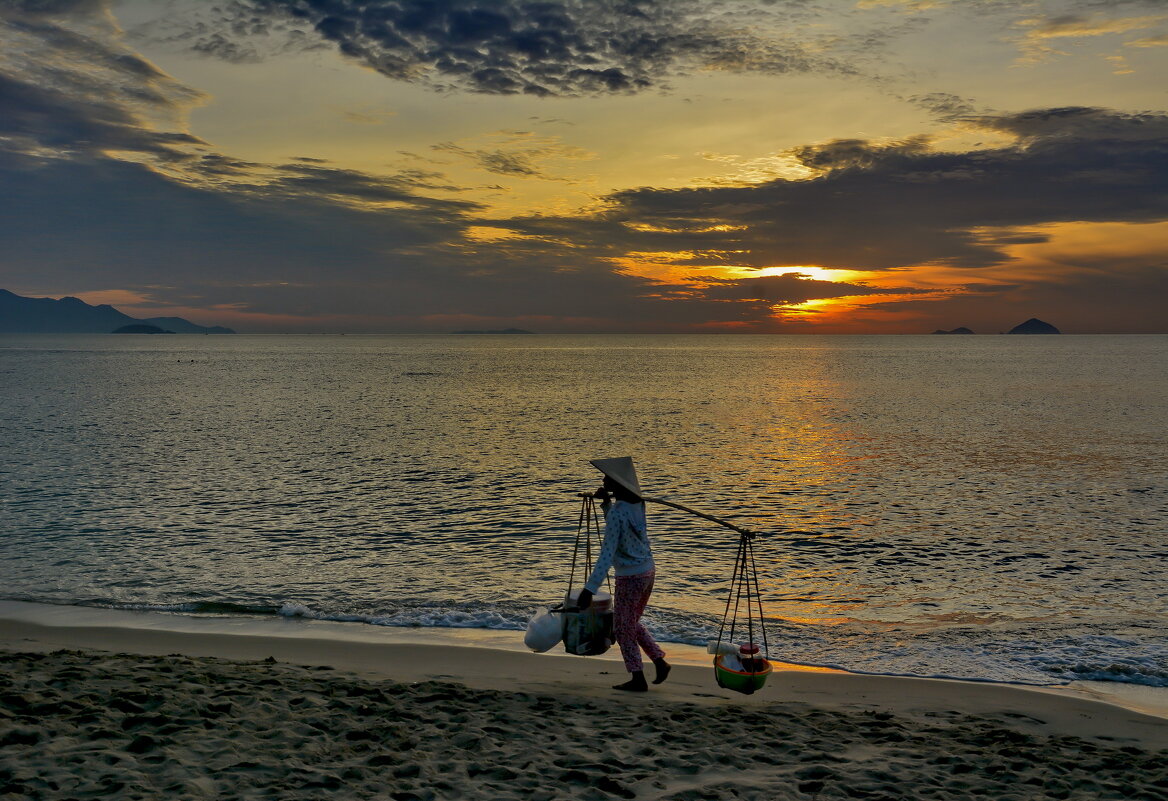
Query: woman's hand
[{"x": 585, "y": 599}]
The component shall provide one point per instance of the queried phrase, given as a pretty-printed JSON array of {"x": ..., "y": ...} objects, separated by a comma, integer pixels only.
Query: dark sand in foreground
[{"x": 89, "y": 724}]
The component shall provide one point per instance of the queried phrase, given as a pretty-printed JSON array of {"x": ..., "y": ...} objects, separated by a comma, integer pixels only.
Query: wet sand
[{"x": 147, "y": 711}]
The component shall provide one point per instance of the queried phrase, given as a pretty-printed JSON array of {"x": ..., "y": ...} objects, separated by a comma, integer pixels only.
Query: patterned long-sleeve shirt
[{"x": 626, "y": 544}]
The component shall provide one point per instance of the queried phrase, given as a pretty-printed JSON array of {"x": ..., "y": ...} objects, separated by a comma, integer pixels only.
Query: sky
[{"x": 562, "y": 166}]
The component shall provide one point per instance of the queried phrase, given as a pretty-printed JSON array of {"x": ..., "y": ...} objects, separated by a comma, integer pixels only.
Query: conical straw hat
[{"x": 621, "y": 471}]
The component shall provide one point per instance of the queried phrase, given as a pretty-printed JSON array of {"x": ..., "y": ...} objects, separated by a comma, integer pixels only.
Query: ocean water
[{"x": 987, "y": 507}]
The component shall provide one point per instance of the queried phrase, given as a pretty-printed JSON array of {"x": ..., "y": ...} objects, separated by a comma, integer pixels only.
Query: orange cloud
[
  {"x": 1041, "y": 31},
  {"x": 1047, "y": 252}
]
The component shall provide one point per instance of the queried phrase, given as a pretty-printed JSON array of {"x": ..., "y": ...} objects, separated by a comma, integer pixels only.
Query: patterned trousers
[{"x": 632, "y": 595}]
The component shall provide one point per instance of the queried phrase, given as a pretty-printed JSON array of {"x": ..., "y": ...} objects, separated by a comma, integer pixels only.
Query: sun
[
  {"x": 663, "y": 267},
  {"x": 836, "y": 276}
]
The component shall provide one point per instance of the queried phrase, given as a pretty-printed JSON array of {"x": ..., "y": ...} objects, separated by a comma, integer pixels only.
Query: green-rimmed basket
[{"x": 739, "y": 681}]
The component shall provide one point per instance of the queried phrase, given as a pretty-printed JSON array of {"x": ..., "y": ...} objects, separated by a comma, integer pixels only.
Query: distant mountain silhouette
[
  {"x": 21, "y": 315},
  {"x": 178, "y": 325},
  {"x": 1034, "y": 326},
  {"x": 961, "y": 330},
  {"x": 499, "y": 331},
  {"x": 140, "y": 328}
]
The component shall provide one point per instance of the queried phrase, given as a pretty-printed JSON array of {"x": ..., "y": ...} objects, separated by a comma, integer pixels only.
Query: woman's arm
[{"x": 614, "y": 523}]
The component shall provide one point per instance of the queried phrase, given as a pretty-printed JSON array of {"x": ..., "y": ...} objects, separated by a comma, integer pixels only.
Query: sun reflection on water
[{"x": 910, "y": 483}]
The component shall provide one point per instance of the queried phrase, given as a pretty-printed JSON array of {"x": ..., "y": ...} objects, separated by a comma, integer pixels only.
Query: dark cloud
[
  {"x": 37, "y": 117},
  {"x": 312, "y": 182},
  {"x": 83, "y": 93},
  {"x": 517, "y": 165},
  {"x": 1113, "y": 298},
  {"x": 227, "y": 49},
  {"x": 1110, "y": 5},
  {"x": 859, "y": 154},
  {"x": 65, "y": 50},
  {"x": 538, "y": 47},
  {"x": 230, "y": 31},
  {"x": 131, "y": 226},
  {"x": 191, "y": 226},
  {"x": 516, "y": 154},
  {"x": 307, "y": 239},
  {"x": 886, "y": 206},
  {"x": 180, "y": 216},
  {"x": 187, "y": 225},
  {"x": 55, "y": 8},
  {"x": 944, "y": 106},
  {"x": 1095, "y": 126},
  {"x": 302, "y": 240},
  {"x": 294, "y": 250}
]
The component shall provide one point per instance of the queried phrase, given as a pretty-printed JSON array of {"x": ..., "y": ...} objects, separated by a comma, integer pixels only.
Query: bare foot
[{"x": 663, "y": 669}]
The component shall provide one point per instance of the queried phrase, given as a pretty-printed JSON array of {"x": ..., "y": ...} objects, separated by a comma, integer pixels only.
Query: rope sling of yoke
[
  {"x": 744, "y": 581},
  {"x": 744, "y": 587}
]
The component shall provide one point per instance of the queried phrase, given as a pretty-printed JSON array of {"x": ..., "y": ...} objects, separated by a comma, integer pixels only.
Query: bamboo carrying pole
[
  {"x": 743, "y": 563},
  {"x": 744, "y": 532}
]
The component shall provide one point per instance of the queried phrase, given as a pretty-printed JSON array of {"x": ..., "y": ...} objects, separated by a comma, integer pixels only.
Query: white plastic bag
[
  {"x": 544, "y": 631},
  {"x": 731, "y": 661}
]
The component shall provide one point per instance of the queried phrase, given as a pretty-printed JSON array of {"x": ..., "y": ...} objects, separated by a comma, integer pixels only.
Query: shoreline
[
  {"x": 496, "y": 660},
  {"x": 230, "y": 709},
  {"x": 1140, "y": 698}
]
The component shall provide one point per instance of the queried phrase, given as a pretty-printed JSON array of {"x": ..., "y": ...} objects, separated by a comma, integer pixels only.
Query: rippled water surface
[{"x": 989, "y": 506}]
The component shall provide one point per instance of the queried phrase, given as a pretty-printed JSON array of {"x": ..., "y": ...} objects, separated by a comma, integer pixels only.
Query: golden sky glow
[{"x": 831, "y": 165}]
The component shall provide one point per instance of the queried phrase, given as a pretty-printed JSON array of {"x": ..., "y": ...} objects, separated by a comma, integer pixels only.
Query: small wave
[
  {"x": 1036, "y": 655},
  {"x": 1125, "y": 674},
  {"x": 198, "y": 608},
  {"x": 1102, "y": 658},
  {"x": 445, "y": 617}
]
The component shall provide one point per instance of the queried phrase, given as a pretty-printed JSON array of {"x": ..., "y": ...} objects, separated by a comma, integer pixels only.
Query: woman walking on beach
[{"x": 626, "y": 549}]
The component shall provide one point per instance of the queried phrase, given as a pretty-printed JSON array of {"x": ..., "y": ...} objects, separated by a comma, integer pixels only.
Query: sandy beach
[{"x": 138, "y": 706}]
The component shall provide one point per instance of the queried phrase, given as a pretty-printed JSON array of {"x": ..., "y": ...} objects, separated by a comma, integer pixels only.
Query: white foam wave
[
  {"x": 1135, "y": 654},
  {"x": 417, "y": 617}
]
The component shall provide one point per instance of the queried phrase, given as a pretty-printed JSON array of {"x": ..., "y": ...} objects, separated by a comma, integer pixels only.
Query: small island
[
  {"x": 1034, "y": 326},
  {"x": 499, "y": 331},
  {"x": 961, "y": 330},
  {"x": 140, "y": 328}
]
